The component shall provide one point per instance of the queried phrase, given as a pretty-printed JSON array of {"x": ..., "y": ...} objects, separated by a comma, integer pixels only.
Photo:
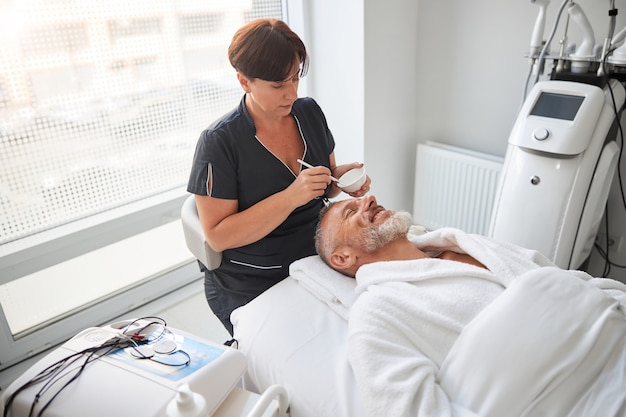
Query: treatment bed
[
  {"x": 516, "y": 357},
  {"x": 296, "y": 335}
]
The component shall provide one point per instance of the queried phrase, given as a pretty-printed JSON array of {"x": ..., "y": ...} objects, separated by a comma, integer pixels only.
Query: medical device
[
  {"x": 536, "y": 39},
  {"x": 581, "y": 57},
  {"x": 134, "y": 367},
  {"x": 562, "y": 153},
  {"x": 558, "y": 170}
]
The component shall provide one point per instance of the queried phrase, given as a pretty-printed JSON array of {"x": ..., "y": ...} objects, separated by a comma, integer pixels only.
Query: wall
[
  {"x": 335, "y": 42},
  {"x": 363, "y": 74},
  {"x": 472, "y": 88},
  {"x": 393, "y": 74}
]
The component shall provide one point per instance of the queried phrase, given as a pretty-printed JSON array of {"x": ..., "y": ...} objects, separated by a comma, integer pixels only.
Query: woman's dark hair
[{"x": 266, "y": 49}]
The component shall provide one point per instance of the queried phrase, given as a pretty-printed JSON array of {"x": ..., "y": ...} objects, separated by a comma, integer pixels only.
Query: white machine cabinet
[
  {"x": 121, "y": 384},
  {"x": 558, "y": 170}
]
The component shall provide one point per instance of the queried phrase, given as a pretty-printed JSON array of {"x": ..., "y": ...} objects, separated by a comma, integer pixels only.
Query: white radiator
[{"x": 454, "y": 187}]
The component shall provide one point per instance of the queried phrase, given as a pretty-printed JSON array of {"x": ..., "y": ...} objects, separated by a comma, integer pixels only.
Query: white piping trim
[{"x": 256, "y": 266}]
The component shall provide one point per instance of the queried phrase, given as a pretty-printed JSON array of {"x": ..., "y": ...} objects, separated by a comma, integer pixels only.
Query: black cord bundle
[
  {"x": 67, "y": 370},
  {"x": 605, "y": 253},
  {"x": 71, "y": 366}
]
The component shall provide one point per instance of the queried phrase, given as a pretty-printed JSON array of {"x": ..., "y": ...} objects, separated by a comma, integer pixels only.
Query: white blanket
[
  {"x": 409, "y": 315},
  {"x": 552, "y": 344}
]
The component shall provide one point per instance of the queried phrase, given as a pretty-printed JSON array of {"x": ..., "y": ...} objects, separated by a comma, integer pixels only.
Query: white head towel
[{"x": 328, "y": 285}]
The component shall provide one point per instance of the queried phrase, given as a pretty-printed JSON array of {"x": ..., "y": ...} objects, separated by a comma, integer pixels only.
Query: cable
[
  {"x": 90, "y": 358},
  {"x": 606, "y": 47},
  {"x": 542, "y": 54},
  {"x": 607, "y": 262},
  {"x": 528, "y": 77},
  {"x": 617, "y": 114},
  {"x": 140, "y": 334},
  {"x": 54, "y": 372},
  {"x": 62, "y": 373},
  {"x": 605, "y": 254}
]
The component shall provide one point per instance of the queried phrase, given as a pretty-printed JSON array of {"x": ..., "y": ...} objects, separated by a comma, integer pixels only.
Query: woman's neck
[{"x": 265, "y": 121}]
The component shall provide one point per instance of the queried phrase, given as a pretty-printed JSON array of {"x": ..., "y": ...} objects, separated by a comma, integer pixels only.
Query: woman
[{"x": 257, "y": 204}]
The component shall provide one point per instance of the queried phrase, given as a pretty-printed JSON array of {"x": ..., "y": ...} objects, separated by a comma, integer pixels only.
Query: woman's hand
[
  {"x": 309, "y": 184},
  {"x": 342, "y": 169}
]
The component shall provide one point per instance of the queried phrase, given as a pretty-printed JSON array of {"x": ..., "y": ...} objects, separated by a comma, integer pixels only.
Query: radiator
[{"x": 454, "y": 187}]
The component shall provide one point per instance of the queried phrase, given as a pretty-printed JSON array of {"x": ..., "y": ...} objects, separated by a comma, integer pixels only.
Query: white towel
[{"x": 328, "y": 285}]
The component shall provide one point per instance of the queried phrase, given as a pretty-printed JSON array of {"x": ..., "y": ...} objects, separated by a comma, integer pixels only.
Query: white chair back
[{"x": 194, "y": 236}]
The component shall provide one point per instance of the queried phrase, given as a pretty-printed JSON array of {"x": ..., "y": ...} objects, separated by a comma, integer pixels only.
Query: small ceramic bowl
[{"x": 352, "y": 180}]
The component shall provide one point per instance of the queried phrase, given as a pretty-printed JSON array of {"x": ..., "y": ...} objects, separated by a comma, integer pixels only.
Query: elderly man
[
  {"x": 360, "y": 232},
  {"x": 450, "y": 323}
]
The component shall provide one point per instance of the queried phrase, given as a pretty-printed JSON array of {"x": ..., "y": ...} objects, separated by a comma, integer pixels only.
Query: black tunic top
[{"x": 242, "y": 169}]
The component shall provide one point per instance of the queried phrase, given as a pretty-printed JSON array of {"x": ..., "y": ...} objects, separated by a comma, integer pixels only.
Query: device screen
[{"x": 557, "y": 106}]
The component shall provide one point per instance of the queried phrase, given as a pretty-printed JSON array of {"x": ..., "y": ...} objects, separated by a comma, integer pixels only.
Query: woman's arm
[{"x": 225, "y": 228}]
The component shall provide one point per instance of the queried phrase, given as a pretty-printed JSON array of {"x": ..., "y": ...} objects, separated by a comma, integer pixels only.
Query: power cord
[
  {"x": 604, "y": 254},
  {"x": 67, "y": 370}
]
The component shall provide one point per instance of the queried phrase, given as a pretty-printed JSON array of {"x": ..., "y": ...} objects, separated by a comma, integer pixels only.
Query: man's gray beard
[{"x": 395, "y": 227}]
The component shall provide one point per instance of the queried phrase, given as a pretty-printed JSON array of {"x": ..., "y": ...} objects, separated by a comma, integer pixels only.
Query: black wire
[
  {"x": 51, "y": 372},
  {"x": 607, "y": 264},
  {"x": 605, "y": 254},
  {"x": 526, "y": 84},
  {"x": 607, "y": 261},
  {"x": 40, "y": 377},
  {"x": 57, "y": 371},
  {"x": 542, "y": 55},
  {"x": 51, "y": 382},
  {"x": 620, "y": 130},
  {"x": 81, "y": 369},
  {"x": 621, "y": 152},
  {"x": 617, "y": 114},
  {"x": 156, "y": 320}
]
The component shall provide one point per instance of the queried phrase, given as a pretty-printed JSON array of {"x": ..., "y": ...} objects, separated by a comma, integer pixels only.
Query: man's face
[{"x": 365, "y": 225}]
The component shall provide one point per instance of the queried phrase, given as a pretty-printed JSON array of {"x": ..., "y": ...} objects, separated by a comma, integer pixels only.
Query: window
[
  {"x": 101, "y": 105},
  {"x": 201, "y": 23}
]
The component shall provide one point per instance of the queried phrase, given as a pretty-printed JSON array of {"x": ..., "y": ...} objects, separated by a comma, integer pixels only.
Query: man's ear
[{"x": 343, "y": 258}]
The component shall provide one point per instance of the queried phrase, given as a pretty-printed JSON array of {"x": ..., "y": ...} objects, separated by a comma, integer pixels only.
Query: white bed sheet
[{"x": 294, "y": 339}]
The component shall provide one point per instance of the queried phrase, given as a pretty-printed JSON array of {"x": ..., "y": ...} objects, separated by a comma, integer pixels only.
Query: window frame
[
  {"x": 34, "y": 253},
  {"x": 37, "y": 252}
]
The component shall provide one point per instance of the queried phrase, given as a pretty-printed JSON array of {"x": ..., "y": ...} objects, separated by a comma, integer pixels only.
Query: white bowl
[{"x": 352, "y": 180}]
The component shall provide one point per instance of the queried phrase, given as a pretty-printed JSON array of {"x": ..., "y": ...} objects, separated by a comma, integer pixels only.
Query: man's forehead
[
  {"x": 341, "y": 205},
  {"x": 334, "y": 212}
]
